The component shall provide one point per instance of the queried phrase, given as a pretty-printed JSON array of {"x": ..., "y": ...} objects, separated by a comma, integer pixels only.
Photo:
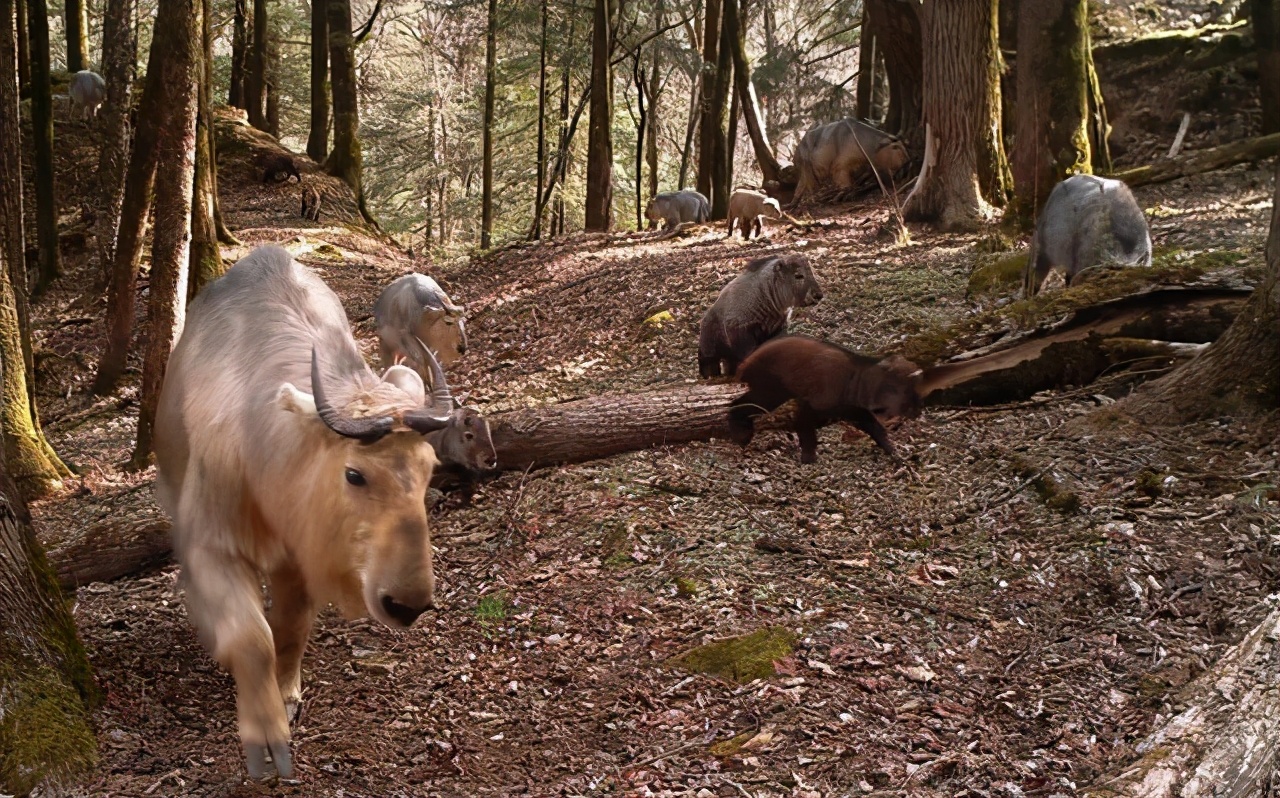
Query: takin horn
[
  {"x": 365, "y": 430},
  {"x": 436, "y": 414}
]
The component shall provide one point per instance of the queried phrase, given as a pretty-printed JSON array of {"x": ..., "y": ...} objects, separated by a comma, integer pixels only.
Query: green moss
[
  {"x": 740, "y": 659},
  {"x": 44, "y": 731},
  {"x": 686, "y": 588},
  {"x": 1050, "y": 490},
  {"x": 998, "y": 274},
  {"x": 493, "y": 608},
  {"x": 1149, "y": 483},
  {"x": 731, "y": 746}
]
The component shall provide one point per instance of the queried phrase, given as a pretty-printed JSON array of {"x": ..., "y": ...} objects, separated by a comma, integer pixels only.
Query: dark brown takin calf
[
  {"x": 464, "y": 449},
  {"x": 829, "y": 383}
]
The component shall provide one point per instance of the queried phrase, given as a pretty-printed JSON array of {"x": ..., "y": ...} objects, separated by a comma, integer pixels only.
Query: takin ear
[
  {"x": 291, "y": 399},
  {"x": 407, "y": 380},
  {"x": 432, "y": 315}
]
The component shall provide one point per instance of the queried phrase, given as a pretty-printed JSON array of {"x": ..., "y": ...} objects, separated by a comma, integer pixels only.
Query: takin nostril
[{"x": 402, "y": 612}]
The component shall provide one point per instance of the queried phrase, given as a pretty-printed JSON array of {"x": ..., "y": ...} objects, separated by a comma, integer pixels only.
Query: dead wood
[
  {"x": 1198, "y": 161},
  {"x": 111, "y": 550}
]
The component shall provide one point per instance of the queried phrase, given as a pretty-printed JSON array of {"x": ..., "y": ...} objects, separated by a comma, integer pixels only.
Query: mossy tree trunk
[
  {"x": 42, "y": 129},
  {"x": 45, "y": 683},
  {"x": 35, "y": 467},
  {"x": 77, "y": 22},
  {"x": 240, "y": 55},
  {"x": 318, "y": 138},
  {"x": 1052, "y": 113},
  {"x": 1266, "y": 33},
  {"x": 486, "y": 145},
  {"x": 255, "y": 85},
  {"x": 964, "y": 171},
  {"x": 896, "y": 27},
  {"x": 599, "y": 202},
  {"x": 206, "y": 258},
  {"x": 1240, "y": 371},
  {"x": 119, "y": 51},
  {"x": 179, "y": 39},
  {"x": 345, "y": 160}
]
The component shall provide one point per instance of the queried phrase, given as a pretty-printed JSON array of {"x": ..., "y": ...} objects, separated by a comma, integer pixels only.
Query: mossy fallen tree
[{"x": 1194, "y": 162}]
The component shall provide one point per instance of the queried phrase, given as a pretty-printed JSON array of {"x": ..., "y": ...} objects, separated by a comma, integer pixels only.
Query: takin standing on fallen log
[
  {"x": 1087, "y": 222},
  {"x": 749, "y": 209},
  {"x": 754, "y": 307},
  {"x": 829, "y": 383},
  {"x": 281, "y": 455}
]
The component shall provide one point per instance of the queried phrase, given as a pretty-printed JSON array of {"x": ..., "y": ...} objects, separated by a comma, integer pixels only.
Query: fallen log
[
  {"x": 110, "y": 550},
  {"x": 1223, "y": 739},
  {"x": 1195, "y": 162}
]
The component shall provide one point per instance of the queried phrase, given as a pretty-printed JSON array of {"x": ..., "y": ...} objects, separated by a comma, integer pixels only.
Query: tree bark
[
  {"x": 870, "y": 72},
  {"x": 1052, "y": 113},
  {"x": 206, "y": 258},
  {"x": 46, "y": 739},
  {"x": 50, "y": 267},
  {"x": 134, "y": 210},
  {"x": 599, "y": 210},
  {"x": 1194, "y": 162},
  {"x": 542, "y": 127},
  {"x": 318, "y": 140},
  {"x": 896, "y": 27},
  {"x": 24, "y": 50},
  {"x": 1265, "y": 15},
  {"x": 1240, "y": 372},
  {"x": 256, "y": 81},
  {"x": 642, "y": 130},
  {"x": 707, "y": 126},
  {"x": 562, "y": 142},
  {"x": 655, "y": 89},
  {"x": 236, "y": 93},
  {"x": 486, "y": 146},
  {"x": 177, "y": 24},
  {"x": 34, "y": 466},
  {"x": 964, "y": 170},
  {"x": 119, "y": 51},
  {"x": 717, "y": 65},
  {"x": 770, "y": 169},
  {"x": 271, "y": 89},
  {"x": 345, "y": 160},
  {"x": 77, "y": 23}
]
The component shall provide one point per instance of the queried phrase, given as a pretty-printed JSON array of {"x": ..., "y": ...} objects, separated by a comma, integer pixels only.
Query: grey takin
[
  {"x": 754, "y": 307},
  {"x": 413, "y": 315},
  {"x": 282, "y": 456},
  {"x": 829, "y": 383}
]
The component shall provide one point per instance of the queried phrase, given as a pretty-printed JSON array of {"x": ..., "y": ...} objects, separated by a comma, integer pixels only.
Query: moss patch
[
  {"x": 998, "y": 274},
  {"x": 685, "y": 587},
  {"x": 740, "y": 659},
  {"x": 44, "y": 732},
  {"x": 1049, "y": 488}
]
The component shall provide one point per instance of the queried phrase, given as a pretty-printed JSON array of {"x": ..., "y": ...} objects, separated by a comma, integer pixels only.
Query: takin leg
[
  {"x": 807, "y": 421},
  {"x": 225, "y": 605},
  {"x": 866, "y": 421},
  {"x": 290, "y": 618},
  {"x": 744, "y": 409}
]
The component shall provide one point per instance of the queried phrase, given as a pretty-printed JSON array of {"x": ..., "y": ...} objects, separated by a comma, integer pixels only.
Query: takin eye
[
  {"x": 468, "y": 435},
  {"x": 354, "y": 477}
]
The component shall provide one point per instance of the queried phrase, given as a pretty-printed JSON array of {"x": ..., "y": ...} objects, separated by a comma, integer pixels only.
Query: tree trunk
[
  {"x": 642, "y": 129},
  {"x": 655, "y": 88},
  {"x": 50, "y": 267},
  {"x": 24, "y": 50},
  {"x": 34, "y": 466},
  {"x": 706, "y": 123},
  {"x": 562, "y": 142},
  {"x": 1052, "y": 112},
  {"x": 1195, "y": 162},
  {"x": 236, "y": 97},
  {"x": 896, "y": 27},
  {"x": 318, "y": 140},
  {"x": 206, "y": 258},
  {"x": 345, "y": 160},
  {"x": 271, "y": 91},
  {"x": 46, "y": 739},
  {"x": 713, "y": 135},
  {"x": 1265, "y": 15},
  {"x": 77, "y": 22},
  {"x": 119, "y": 50},
  {"x": 1240, "y": 372},
  {"x": 179, "y": 36},
  {"x": 870, "y": 71},
  {"x": 600, "y": 135},
  {"x": 964, "y": 169},
  {"x": 256, "y": 81},
  {"x": 486, "y": 146},
  {"x": 542, "y": 127},
  {"x": 134, "y": 209},
  {"x": 770, "y": 169}
]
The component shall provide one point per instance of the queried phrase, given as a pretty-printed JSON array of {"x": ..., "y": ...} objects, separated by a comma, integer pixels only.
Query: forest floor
[{"x": 957, "y": 626}]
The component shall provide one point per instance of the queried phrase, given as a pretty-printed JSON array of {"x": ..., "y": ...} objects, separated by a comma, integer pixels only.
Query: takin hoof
[{"x": 256, "y": 760}]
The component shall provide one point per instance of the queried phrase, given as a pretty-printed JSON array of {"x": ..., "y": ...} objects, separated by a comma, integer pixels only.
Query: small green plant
[{"x": 493, "y": 608}]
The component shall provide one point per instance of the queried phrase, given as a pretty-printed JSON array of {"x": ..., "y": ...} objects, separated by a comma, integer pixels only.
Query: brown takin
[
  {"x": 282, "y": 457},
  {"x": 464, "y": 449},
  {"x": 829, "y": 383},
  {"x": 754, "y": 307},
  {"x": 277, "y": 164},
  {"x": 748, "y": 208}
]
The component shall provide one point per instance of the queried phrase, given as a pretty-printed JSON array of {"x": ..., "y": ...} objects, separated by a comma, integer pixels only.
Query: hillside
[{"x": 1003, "y": 615}]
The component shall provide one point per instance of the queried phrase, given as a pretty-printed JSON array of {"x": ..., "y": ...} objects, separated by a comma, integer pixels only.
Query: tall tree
[
  {"x": 1052, "y": 113},
  {"x": 722, "y": 121},
  {"x": 655, "y": 91},
  {"x": 271, "y": 91},
  {"x": 255, "y": 89},
  {"x": 486, "y": 157},
  {"x": 119, "y": 51},
  {"x": 178, "y": 37},
  {"x": 42, "y": 129},
  {"x": 1266, "y": 33},
  {"x": 35, "y": 467},
  {"x": 895, "y": 25},
  {"x": 964, "y": 171},
  {"x": 710, "y": 112},
  {"x": 600, "y": 134},
  {"x": 345, "y": 160},
  {"x": 770, "y": 169},
  {"x": 240, "y": 56},
  {"x": 318, "y": 139},
  {"x": 542, "y": 127},
  {"x": 24, "y": 49},
  {"x": 206, "y": 259},
  {"x": 77, "y": 22}
]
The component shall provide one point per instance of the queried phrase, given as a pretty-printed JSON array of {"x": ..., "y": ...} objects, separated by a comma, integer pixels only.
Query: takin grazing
[
  {"x": 464, "y": 449},
  {"x": 310, "y": 203},
  {"x": 839, "y": 153},
  {"x": 829, "y": 383},
  {"x": 87, "y": 91},
  {"x": 277, "y": 164},
  {"x": 754, "y": 307},
  {"x": 749, "y": 208},
  {"x": 282, "y": 456},
  {"x": 674, "y": 208},
  {"x": 1087, "y": 222},
  {"x": 415, "y": 317}
]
